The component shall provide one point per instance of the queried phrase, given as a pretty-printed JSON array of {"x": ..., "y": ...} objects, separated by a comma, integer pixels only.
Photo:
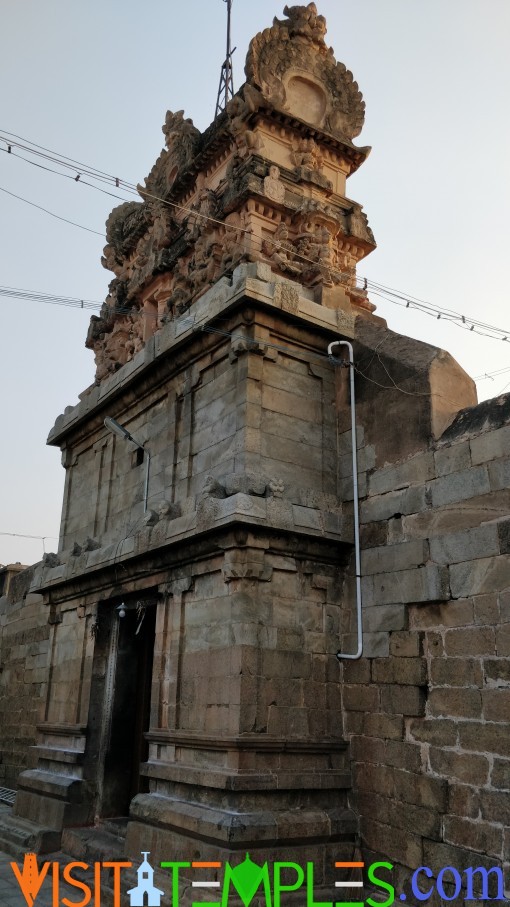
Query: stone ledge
[
  {"x": 241, "y": 828},
  {"x": 255, "y": 742},
  {"x": 245, "y": 780},
  {"x": 255, "y": 280}
]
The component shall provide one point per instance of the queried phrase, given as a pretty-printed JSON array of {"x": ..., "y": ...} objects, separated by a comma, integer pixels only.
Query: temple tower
[{"x": 199, "y": 597}]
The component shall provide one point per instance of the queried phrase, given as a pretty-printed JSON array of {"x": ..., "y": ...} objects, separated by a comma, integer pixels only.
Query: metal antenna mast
[{"x": 226, "y": 88}]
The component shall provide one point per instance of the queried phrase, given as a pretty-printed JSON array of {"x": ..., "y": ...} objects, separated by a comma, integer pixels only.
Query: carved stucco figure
[
  {"x": 182, "y": 139},
  {"x": 306, "y": 153},
  {"x": 125, "y": 226},
  {"x": 291, "y": 71},
  {"x": 295, "y": 72},
  {"x": 281, "y": 251},
  {"x": 273, "y": 186},
  {"x": 246, "y": 140}
]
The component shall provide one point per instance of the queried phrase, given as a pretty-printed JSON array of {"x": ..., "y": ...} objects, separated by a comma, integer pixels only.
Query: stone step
[
  {"x": 18, "y": 836},
  {"x": 95, "y": 844}
]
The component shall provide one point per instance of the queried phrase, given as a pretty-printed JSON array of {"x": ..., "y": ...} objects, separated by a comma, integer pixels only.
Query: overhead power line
[
  {"x": 79, "y": 170},
  {"x": 51, "y": 213},
  {"x": 48, "y": 298},
  {"x": 75, "y": 302}
]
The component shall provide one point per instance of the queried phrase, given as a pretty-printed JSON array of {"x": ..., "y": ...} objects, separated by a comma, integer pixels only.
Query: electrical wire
[
  {"x": 499, "y": 371},
  {"x": 51, "y": 213},
  {"x": 396, "y": 297},
  {"x": 74, "y": 302},
  {"x": 20, "y": 535},
  {"x": 47, "y": 298}
]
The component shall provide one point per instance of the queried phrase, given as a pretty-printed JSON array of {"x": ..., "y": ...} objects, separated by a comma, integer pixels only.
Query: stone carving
[
  {"x": 359, "y": 226},
  {"x": 307, "y": 154},
  {"x": 242, "y": 483},
  {"x": 273, "y": 186},
  {"x": 164, "y": 226},
  {"x": 163, "y": 257},
  {"x": 181, "y": 136},
  {"x": 327, "y": 259},
  {"x": 150, "y": 518},
  {"x": 347, "y": 265},
  {"x": 235, "y": 240},
  {"x": 295, "y": 72},
  {"x": 51, "y": 560},
  {"x": 281, "y": 251},
  {"x": 246, "y": 140},
  {"x": 213, "y": 488},
  {"x": 182, "y": 140},
  {"x": 125, "y": 226},
  {"x": 168, "y": 511},
  {"x": 206, "y": 208},
  {"x": 277, "y": 488},
  {"x": 204, "y": 263},
  {"x": 304, "y": 22}
]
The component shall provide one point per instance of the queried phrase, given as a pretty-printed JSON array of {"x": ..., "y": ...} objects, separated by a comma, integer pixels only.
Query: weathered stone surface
[
  {"x": 423, "y": 584},
  {"x": 384, "y": 617},
  {"x": 466, "y": 767},
  {"x": 403, "y": 700},
  {"x": 470, "y": 641},
  {"x": 490, "y": 445},
  {"x": 460, "y": 486},
  {"x": 456, "y": 672},
  {"x": 487, "y": 574},
  {"x": 469, "y": 545},
  {"x": 239, "y": 566},
  {"x": 383, "y": 507},
  {"x": 452, "y": 459},
  {"x": 390, "y": 558},
  {"x": 415, "y": 471},
  {"x": 400, "y": 670},
  {"x": 499, "y": 474}
]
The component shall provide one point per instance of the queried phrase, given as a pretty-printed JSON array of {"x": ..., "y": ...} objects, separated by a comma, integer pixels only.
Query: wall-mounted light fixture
[
  {"x": 122, "y": 433},
  {"x": 121, "y": 609}
]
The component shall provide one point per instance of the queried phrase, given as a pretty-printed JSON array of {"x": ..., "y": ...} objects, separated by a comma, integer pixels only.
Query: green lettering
[
  {"x": 310, "y": 890},
  {"x": 278, "y": 885},
  {"x": 246, "y": 879},
  {"x": 380, "y": 883},
  {"x": 174, "y": 867}
]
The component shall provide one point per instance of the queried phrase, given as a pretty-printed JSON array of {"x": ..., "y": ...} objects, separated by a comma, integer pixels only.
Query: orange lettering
[
  {"x": 56, "y": 882},
  {"x": 116, "y": 879},
  {"x": 30, "y": 878},
  {"x": 97, "y": 884},
  {"x": 76, "y": 883}
]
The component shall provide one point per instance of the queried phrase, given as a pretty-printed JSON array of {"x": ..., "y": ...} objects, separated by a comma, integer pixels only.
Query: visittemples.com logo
[{"x": 106, "y": 884}]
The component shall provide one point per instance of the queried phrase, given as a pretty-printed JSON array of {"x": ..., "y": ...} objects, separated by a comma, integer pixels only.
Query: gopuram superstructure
[{"x": 205, "y": 576}]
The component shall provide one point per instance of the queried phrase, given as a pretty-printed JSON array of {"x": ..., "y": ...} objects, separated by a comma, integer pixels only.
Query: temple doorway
[{"x": 126, "y": 652}]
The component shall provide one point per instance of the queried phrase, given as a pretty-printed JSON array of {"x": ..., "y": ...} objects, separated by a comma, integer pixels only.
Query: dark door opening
[{"x": 130, "y": 711}]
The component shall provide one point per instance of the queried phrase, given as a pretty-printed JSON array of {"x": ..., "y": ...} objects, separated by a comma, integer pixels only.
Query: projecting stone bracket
[
  {"x": 179, "y": 586},
  {"x": 247, "y": 564}
]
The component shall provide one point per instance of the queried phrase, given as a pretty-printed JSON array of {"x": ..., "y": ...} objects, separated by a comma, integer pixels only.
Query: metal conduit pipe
[{"x": 359, "y": 651}]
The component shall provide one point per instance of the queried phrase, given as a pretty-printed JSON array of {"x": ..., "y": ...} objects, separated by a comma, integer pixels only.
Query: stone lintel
[
  {"x": 253, "y": 742},
  {"x": 250, "y": 282},
  {"x": 65, "y": 730},
  {"x": 77, "y": 581},
  {"x": 249, "y": 780},
  {"x": 58, "y": 754}
]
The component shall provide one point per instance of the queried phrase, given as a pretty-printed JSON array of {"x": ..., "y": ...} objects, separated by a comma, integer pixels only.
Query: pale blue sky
[{"x": 94, "y": 80}]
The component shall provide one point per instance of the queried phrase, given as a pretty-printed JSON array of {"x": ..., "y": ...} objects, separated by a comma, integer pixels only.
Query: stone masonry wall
[
  {"x": 24, "y": 655},
  {"x": 428, "y": 707}
]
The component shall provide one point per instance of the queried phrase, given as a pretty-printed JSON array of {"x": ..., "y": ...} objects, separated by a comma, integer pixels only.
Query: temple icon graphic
[{"x": 145, "y": 894}]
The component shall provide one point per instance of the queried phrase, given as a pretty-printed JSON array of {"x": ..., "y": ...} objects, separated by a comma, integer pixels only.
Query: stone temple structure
[{"x": 180, "y": 648}]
